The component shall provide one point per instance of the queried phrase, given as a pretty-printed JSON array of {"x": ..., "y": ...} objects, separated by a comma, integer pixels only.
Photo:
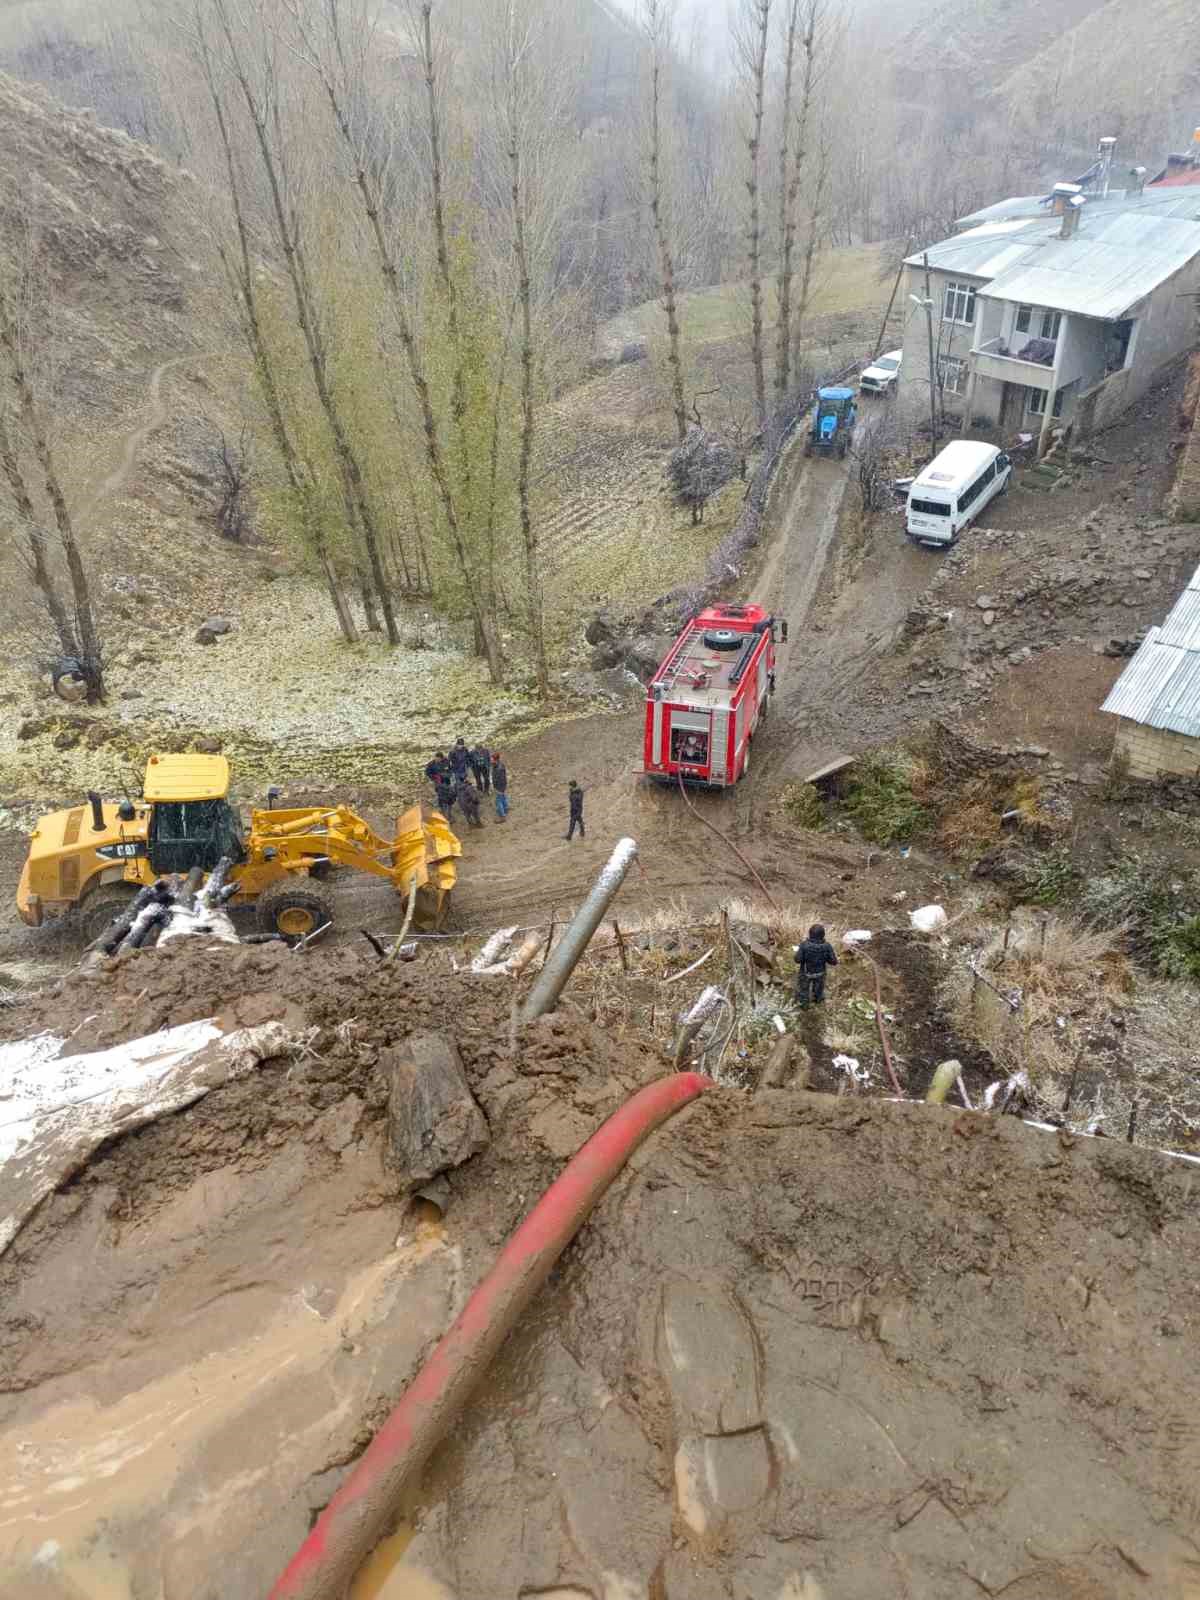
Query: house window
[
  {"x": 953, "y": 374},
  {"x": 1038, "y": 322},
  {"x": 958, "y": 303},
  {"x": 1037, "y": 403}
]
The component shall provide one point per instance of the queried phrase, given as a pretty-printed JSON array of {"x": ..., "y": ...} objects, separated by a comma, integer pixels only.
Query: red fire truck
[{"x": 709, "y": 695}]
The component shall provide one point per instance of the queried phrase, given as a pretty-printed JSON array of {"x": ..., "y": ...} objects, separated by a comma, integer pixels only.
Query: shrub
[
  {"x": 802, "y": 805},
  {"x": 1161, "y": 909},
  {"x": 882, "y": 802},
  {"x": 1180, "y": 953},
  {"x": 1051, "y": 877}
]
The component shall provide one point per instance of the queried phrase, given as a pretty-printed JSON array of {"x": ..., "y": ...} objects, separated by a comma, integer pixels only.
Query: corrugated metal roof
[
  {"x": 1160, "y": 688},
  {"x": 1182, "y": 627},
  {"x": 1037, "y": 205},
  {"x": 1123, "y": 248},
  {"x": 1105, "y": 269}
]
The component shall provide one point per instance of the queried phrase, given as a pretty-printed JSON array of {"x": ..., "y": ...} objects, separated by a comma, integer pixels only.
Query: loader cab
[{"x": 193, "y": 821}]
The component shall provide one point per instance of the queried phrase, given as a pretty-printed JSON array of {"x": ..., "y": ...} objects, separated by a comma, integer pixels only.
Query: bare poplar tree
[
  {"x": 755, "y": 36},
  {"x": 517, "y": 96},
  {"x": 802, "y": 26},
  {"x": 657, "y": 16},
  {"x": 76, "y": 626},
  {"x": 338, "y": 64},
  {"x": 262, "y": 96},
  {"x": 237, "y": 261},
  {"x": 818, "y": 200}
]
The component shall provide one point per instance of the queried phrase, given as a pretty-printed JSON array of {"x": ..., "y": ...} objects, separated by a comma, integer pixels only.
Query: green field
[{"x": 843, "y": 281}]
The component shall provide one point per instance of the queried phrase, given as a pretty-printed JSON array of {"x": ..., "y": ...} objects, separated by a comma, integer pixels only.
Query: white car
[{"x": 882, "y": 375}]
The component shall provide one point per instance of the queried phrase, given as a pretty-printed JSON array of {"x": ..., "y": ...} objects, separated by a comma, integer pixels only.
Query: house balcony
[{"x": 992, "y": 360}]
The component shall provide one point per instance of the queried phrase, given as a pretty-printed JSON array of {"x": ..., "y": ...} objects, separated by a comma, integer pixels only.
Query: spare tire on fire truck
[{"x": 724, "y": 639}]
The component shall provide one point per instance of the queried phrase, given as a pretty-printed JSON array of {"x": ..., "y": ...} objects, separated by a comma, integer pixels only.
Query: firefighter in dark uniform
[
  {"x": 575, "y": 812},
  {"x": 812, "y": 957}
]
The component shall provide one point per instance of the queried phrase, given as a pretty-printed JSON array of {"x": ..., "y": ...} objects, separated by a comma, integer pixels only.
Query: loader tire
[
  {"x": 99, "y": 910},
  {"x": 293, "y": 908}
]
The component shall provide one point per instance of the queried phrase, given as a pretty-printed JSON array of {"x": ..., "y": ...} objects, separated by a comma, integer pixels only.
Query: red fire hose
[{"x": 360, "y": 1513}]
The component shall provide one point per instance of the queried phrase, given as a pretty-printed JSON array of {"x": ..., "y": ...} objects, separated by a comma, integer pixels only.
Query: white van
[{"x": 953, "y": 489}]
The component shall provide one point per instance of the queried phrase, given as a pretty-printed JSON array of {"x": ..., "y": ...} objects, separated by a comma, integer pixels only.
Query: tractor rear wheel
[
  {"x": 294, "y": 907},
  {"x": 98, "y": 910}
]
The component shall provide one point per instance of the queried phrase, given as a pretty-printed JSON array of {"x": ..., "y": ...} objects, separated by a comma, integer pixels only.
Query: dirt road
[{"x": 841, "y": 617}]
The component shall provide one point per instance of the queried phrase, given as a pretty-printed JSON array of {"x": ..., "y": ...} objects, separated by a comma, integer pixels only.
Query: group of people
[{"x": 462, "y": 776}]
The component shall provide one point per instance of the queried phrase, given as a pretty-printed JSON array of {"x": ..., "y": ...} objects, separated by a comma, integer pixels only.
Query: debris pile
[{"x": 173, "y": 908}]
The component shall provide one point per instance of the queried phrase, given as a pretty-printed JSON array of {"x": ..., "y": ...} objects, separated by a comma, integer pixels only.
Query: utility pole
[
  {"x": 887, "y": 314},
  {"x": 933, "y": 430}
]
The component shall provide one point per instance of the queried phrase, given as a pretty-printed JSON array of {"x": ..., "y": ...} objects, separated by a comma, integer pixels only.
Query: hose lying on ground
[{"x": 362, "y": 1510}]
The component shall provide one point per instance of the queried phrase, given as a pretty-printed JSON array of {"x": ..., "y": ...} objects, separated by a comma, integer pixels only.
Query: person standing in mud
[
  {"x": 467, "y": 796},
  {"x": 460, "y": 759},
  {"x": 481, "y": 766},
  {"x": 437, "y": 768},
  {"x": 500, "y": 786},
  {"x": 575, "y": 811},
  {"x": 812, "y": 958},
  {"x": 445, "y": 795}
]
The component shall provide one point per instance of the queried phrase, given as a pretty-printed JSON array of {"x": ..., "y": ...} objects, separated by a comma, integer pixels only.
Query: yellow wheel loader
[{"x": 91, "y": 859}]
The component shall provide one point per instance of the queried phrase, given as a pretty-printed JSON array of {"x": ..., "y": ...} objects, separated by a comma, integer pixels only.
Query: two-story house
[{"x": 1059, "y": 309}]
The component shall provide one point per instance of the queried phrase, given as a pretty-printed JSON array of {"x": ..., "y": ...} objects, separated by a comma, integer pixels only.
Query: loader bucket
[{"x": 425, "y": 846}]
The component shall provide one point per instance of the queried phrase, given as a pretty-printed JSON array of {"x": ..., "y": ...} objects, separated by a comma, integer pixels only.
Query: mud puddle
[
  {"x": 85, "y": 1471},
  {"x": 387, "y": 1575}
]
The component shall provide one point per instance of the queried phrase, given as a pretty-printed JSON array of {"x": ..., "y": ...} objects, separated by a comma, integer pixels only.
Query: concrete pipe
[{"x": 564, "y": 958}]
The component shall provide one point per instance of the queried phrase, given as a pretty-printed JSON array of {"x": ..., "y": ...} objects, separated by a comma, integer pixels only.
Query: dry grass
[
  {"x": 789, "y": 923},
  {"x": 1065, "y": 973}
]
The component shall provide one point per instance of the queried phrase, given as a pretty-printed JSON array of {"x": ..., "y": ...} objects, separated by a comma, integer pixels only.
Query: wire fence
[{"x": 726, "y": 560}]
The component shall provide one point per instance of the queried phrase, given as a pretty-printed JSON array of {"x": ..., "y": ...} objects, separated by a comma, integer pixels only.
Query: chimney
[
  {"x": 1137, "y": 181},
  {"x": 1070, "y": 217},
  {"x": 1107, "y": 147},
  {"x": 1061, "y": 194}
]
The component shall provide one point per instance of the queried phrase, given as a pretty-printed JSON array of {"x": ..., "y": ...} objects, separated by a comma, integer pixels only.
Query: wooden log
[{"x": 434, "y": 1121}]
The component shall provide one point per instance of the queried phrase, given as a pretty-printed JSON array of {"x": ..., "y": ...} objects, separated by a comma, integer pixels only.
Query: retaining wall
[{"x": 1184, "y": 500}]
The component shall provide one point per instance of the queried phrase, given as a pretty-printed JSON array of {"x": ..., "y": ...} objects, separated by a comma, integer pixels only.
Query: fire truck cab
[{"x": 709, "y": 695}]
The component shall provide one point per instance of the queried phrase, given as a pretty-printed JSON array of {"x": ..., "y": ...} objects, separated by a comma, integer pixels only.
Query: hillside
[
  {"x": 1062, "y": 74},
  {"x": 130, "y": 315},
  {"x": 1149, "y": 96}
]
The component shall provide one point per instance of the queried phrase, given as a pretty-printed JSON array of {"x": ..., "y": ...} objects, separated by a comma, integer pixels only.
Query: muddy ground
[
  {"x": 951, "y": 1352},
  {"x": 807, "y": 1346}
]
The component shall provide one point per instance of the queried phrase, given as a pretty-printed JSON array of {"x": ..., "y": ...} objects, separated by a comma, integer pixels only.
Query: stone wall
[
  {"x": 1151, "y": 751},
  {"x": 1184, "y": 501}
]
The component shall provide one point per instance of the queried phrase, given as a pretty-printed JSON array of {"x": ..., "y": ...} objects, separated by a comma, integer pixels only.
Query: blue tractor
[{"x": 833, "y": 422}]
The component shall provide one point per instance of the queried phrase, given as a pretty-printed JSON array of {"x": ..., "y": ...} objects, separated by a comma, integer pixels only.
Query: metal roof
[
  {"x": 1118, "y": 254},
  {"x": 1038, "y": 205},
  {"x": 1104, "y": 270},
  {"x": 1160, "y": 688}
]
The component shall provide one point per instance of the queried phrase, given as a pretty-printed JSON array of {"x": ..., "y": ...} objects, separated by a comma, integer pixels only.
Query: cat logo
[{"x": 124, "y": 850}]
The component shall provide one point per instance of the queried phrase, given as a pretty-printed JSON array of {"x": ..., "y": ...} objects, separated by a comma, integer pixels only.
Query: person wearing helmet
[{"x": 812, "y": 958}]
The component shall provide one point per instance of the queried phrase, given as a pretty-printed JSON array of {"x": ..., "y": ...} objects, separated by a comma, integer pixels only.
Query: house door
[{"x": 1012, "y": 406}]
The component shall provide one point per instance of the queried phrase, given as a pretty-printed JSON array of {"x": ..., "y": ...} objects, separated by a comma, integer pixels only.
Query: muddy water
[
  {"x": 83, "y": 1466},
  {"x": 387, "y": 1576}
]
